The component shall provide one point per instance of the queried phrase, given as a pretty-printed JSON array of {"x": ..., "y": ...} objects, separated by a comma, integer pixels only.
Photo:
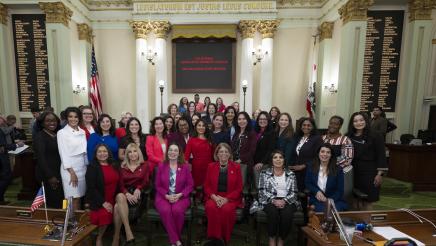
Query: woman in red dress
[
  {"x": 200, "y": 146},
  {"x": 102, "y": 182},
  {"x": 223, "y": 193}
]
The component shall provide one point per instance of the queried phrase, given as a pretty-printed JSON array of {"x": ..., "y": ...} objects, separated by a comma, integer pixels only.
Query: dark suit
[{"x": 95, "y": 187}]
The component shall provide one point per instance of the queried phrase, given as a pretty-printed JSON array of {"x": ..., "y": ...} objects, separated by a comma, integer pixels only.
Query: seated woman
[
  {"x": 324, "y": 180},
  {"x": 102, "y": 182},
  {"x": 134, "y": 176},
  {"x": 278, "y": 198},
  {"x": 173, "y": 184},
  {"x": 223, "y": 193}
]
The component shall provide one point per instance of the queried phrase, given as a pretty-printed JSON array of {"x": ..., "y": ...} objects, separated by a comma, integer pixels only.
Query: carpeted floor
[{"x": 394, "y": 194}]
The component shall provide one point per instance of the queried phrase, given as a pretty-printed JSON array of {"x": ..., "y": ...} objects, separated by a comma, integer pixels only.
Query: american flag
[
  {"x": 94, "y": 87},
  {"x": 39, "y": 200}
]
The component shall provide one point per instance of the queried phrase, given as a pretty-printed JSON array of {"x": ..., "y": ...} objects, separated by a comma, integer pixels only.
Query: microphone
[{"x": 419, "y": 217}]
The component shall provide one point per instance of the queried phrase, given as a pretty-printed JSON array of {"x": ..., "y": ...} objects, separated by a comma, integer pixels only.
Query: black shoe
[{"x": 130, "y": 242}]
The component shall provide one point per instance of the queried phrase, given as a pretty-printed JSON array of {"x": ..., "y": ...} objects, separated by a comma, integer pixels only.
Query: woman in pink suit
[
  {"x": 156, "y": 143},
  {"x": 173, "y": 184},
  {"x": 200, "y": 147},
  {"x": 223, "y": 193}
]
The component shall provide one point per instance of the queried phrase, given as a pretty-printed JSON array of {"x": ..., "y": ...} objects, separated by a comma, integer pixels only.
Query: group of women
[{"x": 184, "y": 151}]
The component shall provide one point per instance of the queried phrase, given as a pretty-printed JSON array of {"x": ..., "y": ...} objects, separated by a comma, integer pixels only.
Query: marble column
[
  {"x": 247, "y": 28},
  {"x": 418, "y": 41},
  {"x": 58, "y": 36},
  {"x": 323, "y": 110},
  {"x": 141, "y": 30},
  {"x": 84, "y": 69},
  {"x": 161, "y": 29},
  {"x": 267, "y": 29},
  {"x": 353, "y": 36},
  {"x": 8, "y": 99}
]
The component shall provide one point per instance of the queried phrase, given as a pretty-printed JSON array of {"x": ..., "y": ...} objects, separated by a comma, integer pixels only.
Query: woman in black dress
[
  {"x": 48, "y": 166},
  {"x": 266, "y": 140},
  {"x": 369, "y": 162}
]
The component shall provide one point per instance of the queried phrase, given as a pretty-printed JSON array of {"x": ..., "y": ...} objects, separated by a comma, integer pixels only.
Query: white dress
[{"x": 72, "y": 149}]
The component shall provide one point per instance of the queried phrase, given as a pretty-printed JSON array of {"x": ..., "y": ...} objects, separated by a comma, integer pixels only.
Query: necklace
[{"x": 50, "y": 133}]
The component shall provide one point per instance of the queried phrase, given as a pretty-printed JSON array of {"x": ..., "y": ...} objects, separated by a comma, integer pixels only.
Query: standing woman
[
  {"x": 173, "y": 186},
  {"x": 220, "y": 105},
  {"x": 369, "y": 161},
  {"x": 172, "y": 110},
  {"x": 120, "y": 132},
  {"x": 274, "y": 113},
  {"x": 191, "y": 110},
  {"x": 244, "y": 143},
  {"x": 230, "y": 120},
  {"x": 278, "y": 198},
  {"x": 102, "y": 182},
  {"x": 223, "y": 193},
  {"x": 195, "y": 118},
  {"x": 45, "y": 146},
  {"x": 265, "y": 140},
  {"x": 133, "y": 135},
  {"x": 88, "y": 123},
  {"x": 307, "y": 144},
  {"x": 169, "y": 124},
  {"x": 104, "y": 133},
  {"x": 210, "y": 112},
  {"x": 206, "y": 103},
  {"x": 342, "y": 147},
  {"x": 325, "y": 180},
  {"x": 156, "y": 142},
  {"x": 134, "y": 176},
  {"x": 72, "y": 150},
  {"x": 182, "y": 135},
  {"x": 284, "y": 132},
  {"x": 200, "y": 147},
  {"x": 183, "y": 105},
  {"x": 235, "y": 105},
  {"x": 218, "y": 133}
]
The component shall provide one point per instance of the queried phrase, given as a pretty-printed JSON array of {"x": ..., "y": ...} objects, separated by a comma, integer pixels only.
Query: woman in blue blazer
[{"x": 325, "y": 180}]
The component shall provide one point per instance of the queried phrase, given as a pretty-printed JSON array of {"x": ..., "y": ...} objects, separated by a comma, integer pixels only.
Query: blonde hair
[
  {"x": 218, "y": 147},
  {"x": 130, "y": 148}
]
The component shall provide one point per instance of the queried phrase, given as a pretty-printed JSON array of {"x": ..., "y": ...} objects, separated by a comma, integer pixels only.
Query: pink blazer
[
  {"x": 184, "y": 181},
  {"x": 154, "y": 151}
]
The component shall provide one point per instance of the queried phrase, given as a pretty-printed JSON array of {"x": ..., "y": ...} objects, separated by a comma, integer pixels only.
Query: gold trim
[
  {"x": 268, "y": 27},
  {"x": 355, "y": 10},
  {"x": 161, "y": 28},
  {"x": 141, "y": 28},
  {"x": 204, "y": 31},
  {"x": 56, "y": 12},
  {"x": 326, "y": 30},
  {"x": 85, "y": 32},
  {"x": 421, "y": 9},
  {"x": 3, "y": 14},
  {"x": 247, "y": 28}
]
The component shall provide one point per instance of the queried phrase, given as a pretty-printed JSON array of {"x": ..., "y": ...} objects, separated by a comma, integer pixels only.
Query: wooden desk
[
  {"x": 415, "y": 164},
  {"x": 29, "y": 231},
  {"x": 400, "y": 220}
]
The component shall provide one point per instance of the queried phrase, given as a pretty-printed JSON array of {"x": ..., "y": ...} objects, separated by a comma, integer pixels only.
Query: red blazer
[
  {"x": 234, "y": 181},
  {"x": 154, "y": 151}
]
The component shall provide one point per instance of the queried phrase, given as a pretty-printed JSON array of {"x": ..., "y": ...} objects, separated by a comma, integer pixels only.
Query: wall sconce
[
  {"x": 77, "y": 90},
  {"x": 150, "y": 56},
  {"x": 258, "y": 55},
  {"x": 332, "y": 89}
]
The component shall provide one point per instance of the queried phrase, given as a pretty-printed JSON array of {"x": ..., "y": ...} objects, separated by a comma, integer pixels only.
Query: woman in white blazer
[{"x": 72, "y": 149}]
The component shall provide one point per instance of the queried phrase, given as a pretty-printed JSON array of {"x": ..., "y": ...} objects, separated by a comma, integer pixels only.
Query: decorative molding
[
  {"x": 161, "y": 28},
  {"x": 85, "y": 32},
  {"x": 56, "y": 12},
  {"x": 141, "y": 28},
  {"x": 355, "y": 10},
  {"x": 326, "y": 30},
  {"x": 301, "y": 3},
  {"x": 3, "y": 14},
  {"x": 268, "y": 27},
  {"x": 421, "y": 9},
  {"x": 247, "y": 28}
]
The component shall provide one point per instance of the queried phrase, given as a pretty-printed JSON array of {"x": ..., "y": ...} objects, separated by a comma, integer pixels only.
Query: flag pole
[{"x": 45, "y": 203}]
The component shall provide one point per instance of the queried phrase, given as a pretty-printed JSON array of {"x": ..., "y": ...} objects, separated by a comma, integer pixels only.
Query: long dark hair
[
  {"x": 128, "y": 132},
  {"x": 268, "y": 118},
  {"x": 207, "y": 109},
  {"x": 248, "y": 128},
  {"x": 300, "y": 121},
  {"x": 110, "y": 158},
  {"x": 352, "y": 131},
  {"x": 288, "y": 132},
  {"x": 98, "y": 129},
  {"x": 234, "y": 118},
  {"x": 173, "y": 128},
  {"x": 40, "y": 121},
  {"x": 207, "y": 133},
  {"x": 153, "y": 122},
  {"x": 73, "y": 110},
  {"x": 332, "y": 167}
]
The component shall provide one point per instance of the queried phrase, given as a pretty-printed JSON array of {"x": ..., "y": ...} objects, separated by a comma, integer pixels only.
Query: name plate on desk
[
  {"x": 378, "y": 217},
  {"x": 24, "y": 214}
]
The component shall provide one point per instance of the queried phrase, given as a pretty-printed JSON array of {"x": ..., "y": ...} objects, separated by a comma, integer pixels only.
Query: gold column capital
[
  {"x": 56, "y": 12},
  {"x": 326, "y": 30},
  {"x": 141, "y": 28},
  {"x": 85, "y": 32},
  {"x": 268, "y": 27},
  {"x": 355, "y": 10},
  {"x": 421, "y": 9},
  {"x": 3, "y": 14},
  {"x": 161, "y": 28},
  {"x": 247, "y": 28}
]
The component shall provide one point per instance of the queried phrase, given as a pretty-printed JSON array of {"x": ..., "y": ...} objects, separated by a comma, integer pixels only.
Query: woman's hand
[
  {"x": 131, "y": 198},
  {"x": 378, "y": 179},
  {"x": 320, "y": 197},
  {"x": 137, "y": 194},
  {"x": 279, "y": 203},
  {"x": 108, "y": 206},
  {"x": 54, "y": 183},
  {"x": 258, "y": 166},
  {"x": 74, "y": 181},
  {"x": 297, "y": 167}
]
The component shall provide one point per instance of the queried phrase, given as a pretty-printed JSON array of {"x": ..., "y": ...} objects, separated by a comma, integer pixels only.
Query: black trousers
[{"x": 279, "y": 220}]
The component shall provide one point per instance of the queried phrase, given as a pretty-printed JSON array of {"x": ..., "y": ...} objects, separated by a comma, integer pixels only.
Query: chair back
[{"x": 400, "y": 242}]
